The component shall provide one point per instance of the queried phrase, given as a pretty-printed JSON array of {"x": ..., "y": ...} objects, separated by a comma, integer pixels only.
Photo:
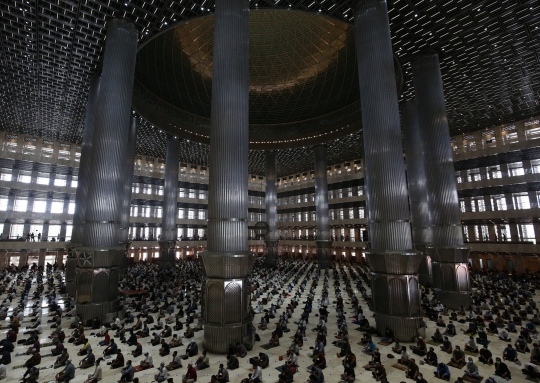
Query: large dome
[{"x": 303, "y": 78}]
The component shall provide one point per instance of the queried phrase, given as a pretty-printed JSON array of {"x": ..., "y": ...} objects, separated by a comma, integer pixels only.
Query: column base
[
  {"x": 226, "y": 298},
  {"x": 271, "y": 257},
  {"x": 167, "y": 256},
  {"x": 405, "y": 328},
  {"x": 71, "y": 269},
  {"x": 395, "y": 292},
  {"x": 324, "y": 253},
  {"x": 106, "y": 311},
  {"x": 451, "y": 275},
  {"x": 425, "y": 274}
]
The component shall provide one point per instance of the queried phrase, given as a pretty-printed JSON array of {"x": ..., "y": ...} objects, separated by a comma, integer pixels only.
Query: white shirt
[
  {"x": 98, "y": 373},
  {"x": 149, "y": 359},
  {"x": 163, "y": 372},
  {"x": 3, "y": 372},
  {"x": 257, "y": 373}
]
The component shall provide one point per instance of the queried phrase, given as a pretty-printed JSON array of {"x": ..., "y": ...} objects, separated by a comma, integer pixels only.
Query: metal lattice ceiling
[{"x": 50, "y": 48}]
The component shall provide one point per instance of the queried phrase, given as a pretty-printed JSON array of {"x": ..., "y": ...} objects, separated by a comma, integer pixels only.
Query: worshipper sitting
[
  {"x": 285, "y": 376},
  {"x": 189, "y": 333},
  {"x": 504, "y": 335},
  {"x": 405, "y": 357},
  {"x": 521, "y": 345},
  {"x": 510, "y": 354},
  {"x": 67, "y": 374},
  {"x": 222, "y": 375},
  {"x": 156, "y": 339},
  {"x": 458, "y": 357},
  {"x": 471, "y": 369},
  {"x": 232, "y": 362},
  {"x": 482, "y": 338},
  {"x": 440, "y": 322},
  {"x": 119, "y": 361},
  {"x": 191, "y": 375},
  {"x": 388, "y": 336},
  {"x": 473, "y": 328},
  {"x": 412, "y": 370},
  {"x": 535, "y": 354},
  {"x": 34, "y": 360},
  {"x": 241, "y": 350},
  {"x": 431, "y": 357},
  {"x": 62, "y": 359},
  {"x": 138, "y": 351},
  {"x": 370, "y": 347},
  {"x": 420, "y": 348},
  {"x": 88, "y": 361},
  {"x": 97, "y": 375},
  {"x": 442, "y": 372},
  {"x": 397, "y": 347},
  {"x": 192, "y": 348},
  {"x": 127, "y": 372},
  {"x": 316, "y": 376},
  {"x": 471, "y": 345},
  {"x": 261, "y": 360},
  {"x": 450, "y": 329},
  {"x": 446, "y": 345},
  {"x": 86, "y": 348},
  {"x": 111, "y": 349},
  {"x": 501, "y": 369},
  {"x": 437, "y": 337},
  {"x": 319, "y": 361},
  {"x": 175, "y": 342},
  {"x": 531, "y": 370},
  {"x": 175, "y": 363},
  {"x": 379, "y": 373},
  {"x": 202, "y": 361},
  {"x": 348, "y": 374},
  {"x": 147, "y": 362},
  {"x": 31, "y": 375}
]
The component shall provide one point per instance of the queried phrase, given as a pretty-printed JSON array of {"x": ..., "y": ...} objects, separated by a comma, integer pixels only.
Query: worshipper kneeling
[{"x": 442, "y": 372}]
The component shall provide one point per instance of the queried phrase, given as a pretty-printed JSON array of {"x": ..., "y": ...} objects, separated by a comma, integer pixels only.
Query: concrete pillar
[
  {"x": 533, "y": 199},
  {"x": 488, "y": 202},
  {"x": 324, "y": 242},
  {"x": 101, "y": 253},
  {"x": 23, "y": 258},
  {"x": 385, "y": 177},
  {"x": 85, "y": 165},
  {"x": 167, "y": 244},
  {"x": 514, "y": 232},
  {"x": 491, "y": 233},
  {"x": 509, "y": 199},
  {"x": 418, "y": 196},
  {"x": 527, "y": 167},
  {"x": 226, "y": 292},
  {"x": 9, "y": 208},
  {"x": 271, "y": 240},
  {"x": 41, "y": 260}
]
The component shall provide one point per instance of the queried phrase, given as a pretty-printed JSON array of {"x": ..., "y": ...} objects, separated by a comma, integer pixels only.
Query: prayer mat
[
  {"x": 279, "y": 368},
  {"x": 139, "y": 368},
  {"x": 49, "y": 344},
  {"x": 46, "y": 355},
  {"x": 433, "y": 343},
  {"x": 400, "y": 367},
  {"x": 530, "y": 378},
  {"x": 268, "y": 346},
  {"x": 369, "y": 367},
  {"x": 16, "y": 367},
  {"x": 184, "y": 357},
  {"x": 455, "y": 365},
  {"x": 46, "y": 367},
  {"x": 384, "y": 344},
  {"x": 471, "y": 353},
  {"x": 473, "y": 379},
  {"x": 20, "y": 354}
]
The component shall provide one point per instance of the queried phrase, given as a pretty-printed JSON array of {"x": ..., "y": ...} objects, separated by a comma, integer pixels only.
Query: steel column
[
  {"x": 85, "y": 166},
  {"x": 450, "y": 271},
  {"x": 416, "y": 178},
  {"x": 100, "y": 255},
  {"x": 167, "y": 244},
  {"x": 324, "y": 242},
  {"x": 394, "y": 264},
  {"x": 272, "y": 239},
  {"x": 227, "y": 262}
]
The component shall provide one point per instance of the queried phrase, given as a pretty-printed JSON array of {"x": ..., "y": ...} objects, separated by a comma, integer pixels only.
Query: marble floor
[{"x": 270, "y": 375}]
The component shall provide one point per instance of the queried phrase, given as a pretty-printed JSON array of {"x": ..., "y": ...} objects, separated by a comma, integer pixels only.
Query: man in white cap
[{"x": 162, "y": 373}]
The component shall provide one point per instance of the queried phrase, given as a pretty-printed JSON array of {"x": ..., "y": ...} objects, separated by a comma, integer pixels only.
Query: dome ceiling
[{"x": 303, "y": 74}]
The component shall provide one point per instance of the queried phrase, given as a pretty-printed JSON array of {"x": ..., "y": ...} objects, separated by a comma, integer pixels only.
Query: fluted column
[
  {"x": 394, "y": 264},
  {"x": 128, "y": 189},
  {"x": 167, "y": 244},
  {"x": 324, "y": 243},
  {"x": 271, "y": 240},
  {"x": 418, "y": 196},
  {"x": 85, "y": 166},
  {"x": 227, "y": 262},
  {"x": 100, "y": 255},
  {"x": 450, "y": 271}
]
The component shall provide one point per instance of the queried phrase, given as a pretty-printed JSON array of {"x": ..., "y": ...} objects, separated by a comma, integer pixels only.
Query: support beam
[
  {"x": 394, "y": 265},
  {"x": 100, "y": 255},
  {"x": 324, "y": 242},
  {"x": 272, "y": 239},
  {"x": 227, "y": 262},
  {"x": 167, "y": 244}
]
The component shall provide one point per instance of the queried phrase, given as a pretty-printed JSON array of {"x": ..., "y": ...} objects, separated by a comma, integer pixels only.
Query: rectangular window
[
  {"x": 191, "y": 214},
  {"x": 5, "y": 176},
  {"x": 40, "y": 205},
  {"x": 20, "y": 204},
  {"x": 60, "y": 180},
  {"x": 57, "y": 207},
  {"x": 46, "y": 152},
  {"x": 17, "y": 231},
  {"x": 69, "y": 231},
  {"x": 54, "y": 232},
  {"x": 462, "y": 206},
  {"x": 191, "y": 193},
  {"x": 25, "y": 177},
  {"x": 159, "y": 212},
  {"x": 481, "y": 205},
  {"x": 63, "y": 154},
  {"x": 74, "y": 182},
  {"x": 3, "y": 203},
  {"x": 522, "y": 202},
  {"x": 71, "y": 208},
  {"x": 42, "y": 179},
  {"x": 181, "y": 213},
  {"x": 202, "y": 214},
  {"x": 182, "y": 193}
]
